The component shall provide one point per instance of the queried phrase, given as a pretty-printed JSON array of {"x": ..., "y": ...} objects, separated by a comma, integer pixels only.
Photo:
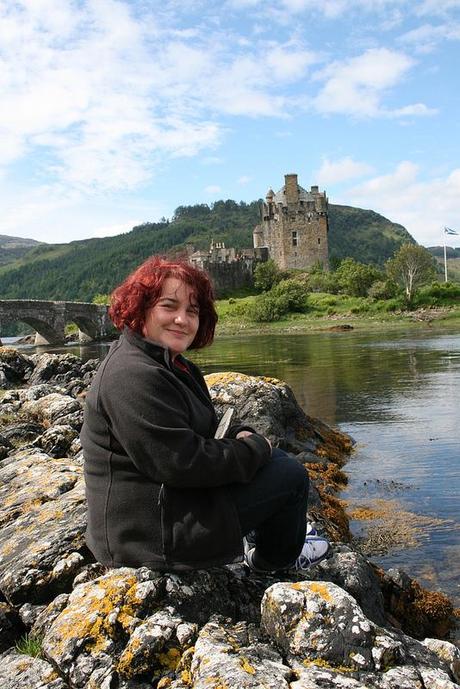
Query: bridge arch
[{"x": 49, "y": 318}]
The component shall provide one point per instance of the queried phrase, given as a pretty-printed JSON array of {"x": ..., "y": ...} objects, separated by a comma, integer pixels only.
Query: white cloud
[
  {"x": 213, "y": 189},
  {"x": 103, "y": 89},
  {"x": 424, "y": 207},
  {"x": 425, "y": 38},
  {"x": 332, "y": 172},
  {"x": 356, "y": 86},
  {"x": 436, "y": 7},
  {"x": 416, "y": 109},
  {"x": 244, "y": 179}
]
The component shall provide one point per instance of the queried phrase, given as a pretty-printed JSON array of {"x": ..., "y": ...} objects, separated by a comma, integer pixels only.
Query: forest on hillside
[{"x": 81, "y": 269}]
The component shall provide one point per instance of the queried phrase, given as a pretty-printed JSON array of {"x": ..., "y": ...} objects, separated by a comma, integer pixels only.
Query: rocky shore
[{"x": 67, "y": 622}]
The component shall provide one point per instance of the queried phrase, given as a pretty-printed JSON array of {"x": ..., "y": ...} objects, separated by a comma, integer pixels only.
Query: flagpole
[
  {"x": 445, "y": 258},
  {"x": 447, "y": 230}
]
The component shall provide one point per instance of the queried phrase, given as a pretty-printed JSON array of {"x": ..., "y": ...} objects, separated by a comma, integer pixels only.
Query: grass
[
  {"x": 325, "y": 310},
  {"x": 30, "y": 645}
]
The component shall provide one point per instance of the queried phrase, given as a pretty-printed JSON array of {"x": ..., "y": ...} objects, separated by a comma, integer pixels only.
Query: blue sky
[{"x": 114, "y": 113}]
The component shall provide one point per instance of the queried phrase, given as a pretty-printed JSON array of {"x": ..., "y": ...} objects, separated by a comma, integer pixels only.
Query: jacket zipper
[{"x": 162, "y": 525}]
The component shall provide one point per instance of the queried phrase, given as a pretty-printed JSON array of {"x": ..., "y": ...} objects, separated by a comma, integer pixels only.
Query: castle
[
  {"x": 293, "y": 232},
  {"x": 294, "y": 226}
]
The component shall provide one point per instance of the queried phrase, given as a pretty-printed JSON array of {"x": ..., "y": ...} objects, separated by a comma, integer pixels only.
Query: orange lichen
[{"x": 320, "y": 589}]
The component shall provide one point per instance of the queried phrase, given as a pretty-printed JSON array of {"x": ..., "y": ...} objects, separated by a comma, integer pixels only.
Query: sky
[{"x": 116, "y": 112}]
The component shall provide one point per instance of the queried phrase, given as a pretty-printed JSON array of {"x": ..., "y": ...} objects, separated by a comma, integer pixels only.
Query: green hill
[
  {"x": 81, "y": 269},
  {"x": 13, "y": 248}
]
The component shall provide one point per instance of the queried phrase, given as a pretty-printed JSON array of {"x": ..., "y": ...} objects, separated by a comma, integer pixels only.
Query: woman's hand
[{"x": 245, "y": 434}]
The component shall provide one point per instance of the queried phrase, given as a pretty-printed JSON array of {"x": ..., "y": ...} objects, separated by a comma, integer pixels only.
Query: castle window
[
  {"x": 319, "y": 240},
  {"x": 294, "y": 238}
]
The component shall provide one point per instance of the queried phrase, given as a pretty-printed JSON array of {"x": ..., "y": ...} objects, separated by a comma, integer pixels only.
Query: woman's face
[{"x": 173, "y": 321}]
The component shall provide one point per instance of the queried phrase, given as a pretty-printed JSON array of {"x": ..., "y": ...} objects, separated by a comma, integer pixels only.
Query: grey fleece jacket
[{"x": 156, "y": 479}]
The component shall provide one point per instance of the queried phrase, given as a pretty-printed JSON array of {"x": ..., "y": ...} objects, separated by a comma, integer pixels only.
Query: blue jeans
[{"x": 272, "y": 509}]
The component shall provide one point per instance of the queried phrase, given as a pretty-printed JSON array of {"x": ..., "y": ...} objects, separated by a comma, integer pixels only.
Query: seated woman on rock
[{"x": 162, "y": 491}]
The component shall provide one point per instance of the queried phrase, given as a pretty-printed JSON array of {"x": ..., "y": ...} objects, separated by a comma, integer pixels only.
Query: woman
[{"x": 162, "y": 491}]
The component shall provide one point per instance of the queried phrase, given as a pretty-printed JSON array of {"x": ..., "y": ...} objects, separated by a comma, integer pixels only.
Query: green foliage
[
  {"x": 323, "y": 282},
  {"x": 294, "y": 291},
  {"x": 438, "y": 294},
  {"x": 383, "y": 289},
  {"x": 30, "y": 645},
  {"x": 71, "y": 328},
  {"x": 411, "y": 267},
  {"x": 355, "y": 278},
  {"x": 267, "y": 308},
  {"x": 101, "y": 299},
  {"x": 266, "y": 275}
]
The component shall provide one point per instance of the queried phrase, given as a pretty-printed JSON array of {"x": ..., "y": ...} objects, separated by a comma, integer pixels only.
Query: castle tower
[{"x": 294, "y": 226}]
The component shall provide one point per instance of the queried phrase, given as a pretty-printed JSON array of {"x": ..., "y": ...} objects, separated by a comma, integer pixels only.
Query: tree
[
  {"x": 355, "y": 278},
  {"x": 411, "y": 267},
  {"x": 266, "y": 275}
]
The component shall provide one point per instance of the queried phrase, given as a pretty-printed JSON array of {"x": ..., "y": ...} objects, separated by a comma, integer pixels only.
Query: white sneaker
[
  {"x": 314, "y": 550},
  {"x": 311, "y": 529}
]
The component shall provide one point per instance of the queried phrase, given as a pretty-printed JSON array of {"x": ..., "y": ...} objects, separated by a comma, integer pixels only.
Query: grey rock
[
  {"x": 448, "y": 653},
  {"x": 305, "y": 457},
  {"x": 47, "y": 614},
  {"x": 29, "y": 613},
  {"x": 42, "y": 523},
  {"x": 14, "y": 367},
  {"x": 229, "y": 655},
  {"x": 19, "y": 671},
  {"x": 317, "y": 625},
  {"x": 57, "y": 440},
  {"x": 21, "y": 432},
  {"x": 352, "y": 572},
  {"x": 53, "y": 408},
  {"x": 35, "y": 392},
  {"x": 55, "y": 368},
  {"x": 269, "y": 406}
]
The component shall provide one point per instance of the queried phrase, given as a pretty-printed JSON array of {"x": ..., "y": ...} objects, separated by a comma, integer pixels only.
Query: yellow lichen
[
  {"x": 321, "y": 589},
  {"x": 320, "y": 662},
  {"x": 170, "y": 659},
  {"x": 164, "y": 683},
  {"x": 186, "y": 677},
  {"x": 87, "y": 618},
  {"x": 246, "y": 666}
]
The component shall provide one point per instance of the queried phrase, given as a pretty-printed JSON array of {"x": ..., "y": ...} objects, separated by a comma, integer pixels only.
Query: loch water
[{"x": 398, "y": 395}]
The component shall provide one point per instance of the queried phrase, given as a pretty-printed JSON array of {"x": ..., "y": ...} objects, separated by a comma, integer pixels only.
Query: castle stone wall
[{"x": 230, "y": 276}]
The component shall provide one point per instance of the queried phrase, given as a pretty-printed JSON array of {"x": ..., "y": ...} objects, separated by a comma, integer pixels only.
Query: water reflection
[{"x": 398, "y": 396}]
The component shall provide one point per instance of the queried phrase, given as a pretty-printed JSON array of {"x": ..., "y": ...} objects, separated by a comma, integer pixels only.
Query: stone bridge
[{"x": 49, "y": 318}]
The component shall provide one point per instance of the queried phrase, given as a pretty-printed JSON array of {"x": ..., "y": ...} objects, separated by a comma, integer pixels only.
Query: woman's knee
[{"x": 292, "y": 474}]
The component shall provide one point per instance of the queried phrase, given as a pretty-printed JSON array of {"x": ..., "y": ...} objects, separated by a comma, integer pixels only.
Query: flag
[{"x": 448, "y": 230}]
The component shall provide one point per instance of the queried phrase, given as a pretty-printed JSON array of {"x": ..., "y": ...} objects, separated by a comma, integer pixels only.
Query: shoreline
[{"x": 420, "y": 319}]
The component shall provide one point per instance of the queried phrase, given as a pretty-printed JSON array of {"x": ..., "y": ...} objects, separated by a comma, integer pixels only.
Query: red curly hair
[{"x": 142, "y": 289}]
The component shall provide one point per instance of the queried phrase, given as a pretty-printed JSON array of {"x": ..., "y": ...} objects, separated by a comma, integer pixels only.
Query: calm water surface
[{"x": 398, "y": 395}]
